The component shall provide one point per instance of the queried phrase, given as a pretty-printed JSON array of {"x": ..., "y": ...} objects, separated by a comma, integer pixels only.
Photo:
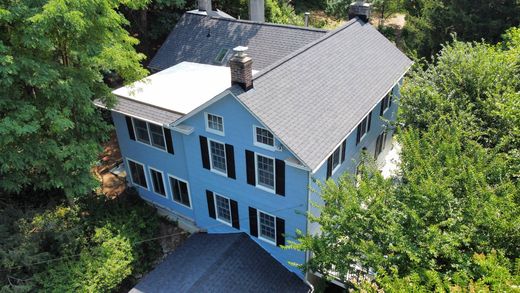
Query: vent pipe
[
  {"x": 257, "y": 10},
  {"x": 204, "y": 5},
  {"x": 307, "y": 14}
]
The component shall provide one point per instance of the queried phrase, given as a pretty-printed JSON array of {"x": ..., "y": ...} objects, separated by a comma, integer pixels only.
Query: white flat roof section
[{"x": 180, "y": 88}]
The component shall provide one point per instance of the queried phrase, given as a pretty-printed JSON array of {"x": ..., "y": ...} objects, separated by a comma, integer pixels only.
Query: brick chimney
[
  {"x": 204, "y": 5},
  {"x": 359, "y": 9},
  {"x": 257, "y": 10},
  {"x": 241, "y": 66}
]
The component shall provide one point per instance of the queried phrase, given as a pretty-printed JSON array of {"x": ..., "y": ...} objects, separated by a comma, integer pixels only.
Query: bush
[{"x": 92, "y": 245}]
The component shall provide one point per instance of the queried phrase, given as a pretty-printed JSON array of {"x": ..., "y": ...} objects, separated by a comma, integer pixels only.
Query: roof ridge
[
  {"x": 245, "y": 21},
  {"x": 303, "y": 49}
]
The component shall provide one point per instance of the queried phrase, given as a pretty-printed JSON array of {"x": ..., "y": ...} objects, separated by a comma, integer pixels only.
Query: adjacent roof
[
  {"x": 198, "y": 38},
  {"x": 220, "y": 263},
  {"x": 142, "y": 110},
  {"x": 314, "y": 97},
  {"x": 180, "y": 88}
]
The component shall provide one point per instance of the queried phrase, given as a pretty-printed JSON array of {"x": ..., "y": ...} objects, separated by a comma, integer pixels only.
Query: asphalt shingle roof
[
  {"x": 142, "y": 110},
  {"x": 198, "y": 38},
  {"x": 314, "y": 97},
  {"x": 220, "y": 263}
]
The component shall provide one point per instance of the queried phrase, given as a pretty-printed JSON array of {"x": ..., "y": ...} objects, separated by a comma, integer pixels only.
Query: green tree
[
  {"x": 450, "y": 220},
  {"x": 431, "y": 23},
  {"x": 54, "y": 56}
]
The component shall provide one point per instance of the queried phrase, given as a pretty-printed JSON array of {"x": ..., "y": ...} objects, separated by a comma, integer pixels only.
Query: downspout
[{"x": 307, "y": 253}]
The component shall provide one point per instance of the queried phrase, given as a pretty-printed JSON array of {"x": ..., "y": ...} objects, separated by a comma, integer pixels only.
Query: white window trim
[
  {"x": 211, "y": 130},
  {"x": 149, "y": 135},
  {"x": 339, "y": 161},
  {"x": 187, "y": 186},
  {"x": 366, "y": 132},
  {"x": 211, "y": 158},
  {"x": 130, "y": 173},
  {"x": 260, "y": 230},
  {"x": 388, "y": 103},
  {"x": 273, "y": 190},
  {"x": 163, "y": 135},
  {"x": 262, "y": 145},
  {"x": 216, "y": 209},
  {"x": 151, "y": 179}
]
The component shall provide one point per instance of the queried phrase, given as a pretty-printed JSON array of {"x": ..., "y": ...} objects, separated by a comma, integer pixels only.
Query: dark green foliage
[
  {"x": 53, "y": 57},
  {"x": 432, "y": 22},
  {"x": 93, "y": 245},
  {"x": 450, "y": 221}
]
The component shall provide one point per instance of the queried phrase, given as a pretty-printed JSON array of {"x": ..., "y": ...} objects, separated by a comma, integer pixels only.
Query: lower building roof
[{"x": 220, "y": 263}]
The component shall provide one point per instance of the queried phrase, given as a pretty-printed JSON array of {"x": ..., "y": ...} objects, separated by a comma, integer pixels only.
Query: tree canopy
[
  {"x": 431, "y": 23},
  {"x": 54, "y": 56},
  {"x": 450, "y": 220}
]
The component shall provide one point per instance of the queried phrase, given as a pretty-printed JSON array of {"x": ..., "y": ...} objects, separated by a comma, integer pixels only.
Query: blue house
[{"x": 241, "y": 116}]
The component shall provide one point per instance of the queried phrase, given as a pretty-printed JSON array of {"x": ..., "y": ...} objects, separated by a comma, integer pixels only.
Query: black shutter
[
  {"x": 211, "y": 204},
  {"x": 250, "y": 167},
  {"x": 235, "y": 221},
  {"x": 329, "y": 167},
  {"x": 280, "y": 232},
  {"x": 358, "y": 134},
  {"x": 169, "y": 142},
  {"x": 343, "y": 147},
  {"x": 369, "y": 121},
  {"x": 253, "y": 225},
  {"x": 130, "y": 127},
  {"x": 230, "y": 161},
  {"x": 390, "y": 99},
  {"x": 382, "y": 106},
  {"x": 204, "y": 152},
  {"x": 280, "y": 177}
]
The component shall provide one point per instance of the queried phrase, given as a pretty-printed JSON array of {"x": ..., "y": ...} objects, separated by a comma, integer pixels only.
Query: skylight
[{"x": 221, "y": 55}]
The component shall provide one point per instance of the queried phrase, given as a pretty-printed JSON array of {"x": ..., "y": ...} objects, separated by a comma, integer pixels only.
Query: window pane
[
  {"x": 141, "y": 131},
  {"x": 180, "y": 191},
  {"x": 223, "y": 210},
  {"x": 218, "y": 156},
  {"x": 137, "y": 173},
  {"x": 264, "y": 136},
  {"x": 336, "y": 157},
  {"x": 157, "y": 136},
  {"x": 267, "y": 228},
  {"x": 158, "y": 184},
  {"x": 265, "y": 172},
  {"x": 215, "y": 122}
]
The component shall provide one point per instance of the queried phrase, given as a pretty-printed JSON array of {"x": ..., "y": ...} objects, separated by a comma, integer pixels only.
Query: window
[
  {"x": 157, "y": 182},
  {"x": 263, "y": 137},
  {"x": 267, "y": 226},
  {"x": 141, "y": 131},
  {"x": 385, "y": 103},
  {"x": 336, "y": 158},
  {"x": 380, "y": 143},
  {"x": 363, "y": 127},
  {"x": 156, "y": 132},
  {"x": 214, "y": 124},
  {"x": 265, "y": 171},
  {"x": 221, "y": 55},
  {"x": 137, "y": 173},
  {"x": 218, "y": 156},
  {"x": 180, "y": 191},
  {"x": 149, "y": 133},
  {"x": 223, "y": 208}
]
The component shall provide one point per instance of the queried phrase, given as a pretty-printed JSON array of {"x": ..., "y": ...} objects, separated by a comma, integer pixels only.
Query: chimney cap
[{"x": 240, "y": 50}]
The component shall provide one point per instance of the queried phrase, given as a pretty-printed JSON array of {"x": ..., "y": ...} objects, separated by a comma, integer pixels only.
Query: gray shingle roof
[
  {"x": 198, "y": 38},
  {"x": 220, "y": 263},
  {"x": 142, "y": 110},
  {"x": 315, "y": 96}
]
